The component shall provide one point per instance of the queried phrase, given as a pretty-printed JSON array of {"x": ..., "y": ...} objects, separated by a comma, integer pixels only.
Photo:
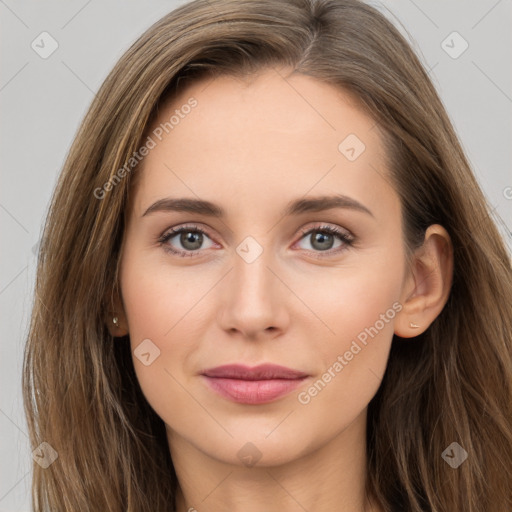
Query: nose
[{"x": 252, "y": 299}]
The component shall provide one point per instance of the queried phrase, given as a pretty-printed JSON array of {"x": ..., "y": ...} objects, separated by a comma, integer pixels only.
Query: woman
[{"x": 269, "y": 280}]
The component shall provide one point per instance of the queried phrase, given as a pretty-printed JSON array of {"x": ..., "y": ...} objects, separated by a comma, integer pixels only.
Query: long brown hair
[{"x": 453, "y": 383}]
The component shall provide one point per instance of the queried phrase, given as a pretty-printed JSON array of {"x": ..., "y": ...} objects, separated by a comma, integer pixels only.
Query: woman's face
[{"x": 259, "y": 279}]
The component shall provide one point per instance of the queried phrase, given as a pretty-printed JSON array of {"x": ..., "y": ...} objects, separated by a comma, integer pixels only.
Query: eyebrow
[{"x": 309, "y": 204}]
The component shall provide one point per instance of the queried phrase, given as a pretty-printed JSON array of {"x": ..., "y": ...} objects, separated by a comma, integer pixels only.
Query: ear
[
  {"x": 116, "y": 310},
  {"x": 427, "y": 285}
]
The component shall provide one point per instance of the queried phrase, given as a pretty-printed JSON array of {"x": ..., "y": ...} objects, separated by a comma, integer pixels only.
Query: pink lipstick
[{"x": 257, "y": 385}]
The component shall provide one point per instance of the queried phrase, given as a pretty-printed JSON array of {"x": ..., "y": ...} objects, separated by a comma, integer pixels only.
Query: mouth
[{"x": 260, "y": 384}]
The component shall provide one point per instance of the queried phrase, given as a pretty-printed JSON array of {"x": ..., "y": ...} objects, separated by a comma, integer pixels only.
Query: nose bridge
[
  {"x": 252, "y": 279},
  {"x": 251, "y": 296}
]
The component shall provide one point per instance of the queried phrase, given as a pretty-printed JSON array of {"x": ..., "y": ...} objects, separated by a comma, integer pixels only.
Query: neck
[{"x": 328, "y": 477}]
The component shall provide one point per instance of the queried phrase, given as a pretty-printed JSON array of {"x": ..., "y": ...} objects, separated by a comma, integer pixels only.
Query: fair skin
[{"x": 251, "y": 147}]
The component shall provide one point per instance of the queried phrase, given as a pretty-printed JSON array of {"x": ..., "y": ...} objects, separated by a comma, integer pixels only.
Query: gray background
[{"x": 43, "y": 100}]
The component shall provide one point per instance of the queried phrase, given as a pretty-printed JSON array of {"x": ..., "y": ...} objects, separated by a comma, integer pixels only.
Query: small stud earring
[
  {"x": 115, "y": 321},
  {"x": 414, "y": 326}
]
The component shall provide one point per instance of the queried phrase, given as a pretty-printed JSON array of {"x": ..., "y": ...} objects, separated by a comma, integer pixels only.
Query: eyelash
[{"x": 348, "y": 240}]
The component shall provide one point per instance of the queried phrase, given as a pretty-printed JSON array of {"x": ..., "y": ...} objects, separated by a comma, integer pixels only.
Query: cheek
[
  {"x": 160, "y": 305},
  {"x": 350, "y": 299},
  {"x": 163, "y": 304},
  {"x": 357, "y": 307},
  {"x": 160, "y": 298},
  {"x": 350, "y": 366}
]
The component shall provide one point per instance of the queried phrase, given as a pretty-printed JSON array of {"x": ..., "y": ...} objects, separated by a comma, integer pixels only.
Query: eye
[
  {"x": 190, "y": 238},
  {"x": 322, "y": 239}
]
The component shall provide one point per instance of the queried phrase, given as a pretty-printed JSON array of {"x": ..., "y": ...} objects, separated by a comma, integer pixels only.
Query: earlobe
[
  {"x": 116, "y": 318},
  {"x": 427, "y": 287},
  {"x": 116, "y": 326}
]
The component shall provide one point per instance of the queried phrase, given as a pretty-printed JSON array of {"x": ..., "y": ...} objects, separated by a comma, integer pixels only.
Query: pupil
[
  {"x": 189, "y": 237},
  {"x": 322, "y": 237}
]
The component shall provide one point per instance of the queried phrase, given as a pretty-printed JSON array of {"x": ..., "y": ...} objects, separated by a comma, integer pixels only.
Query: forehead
[{"x": 250, "y": 139}]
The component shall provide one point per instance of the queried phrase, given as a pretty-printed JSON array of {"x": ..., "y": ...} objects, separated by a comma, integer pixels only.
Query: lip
[{"x": 253, "y": 385}]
